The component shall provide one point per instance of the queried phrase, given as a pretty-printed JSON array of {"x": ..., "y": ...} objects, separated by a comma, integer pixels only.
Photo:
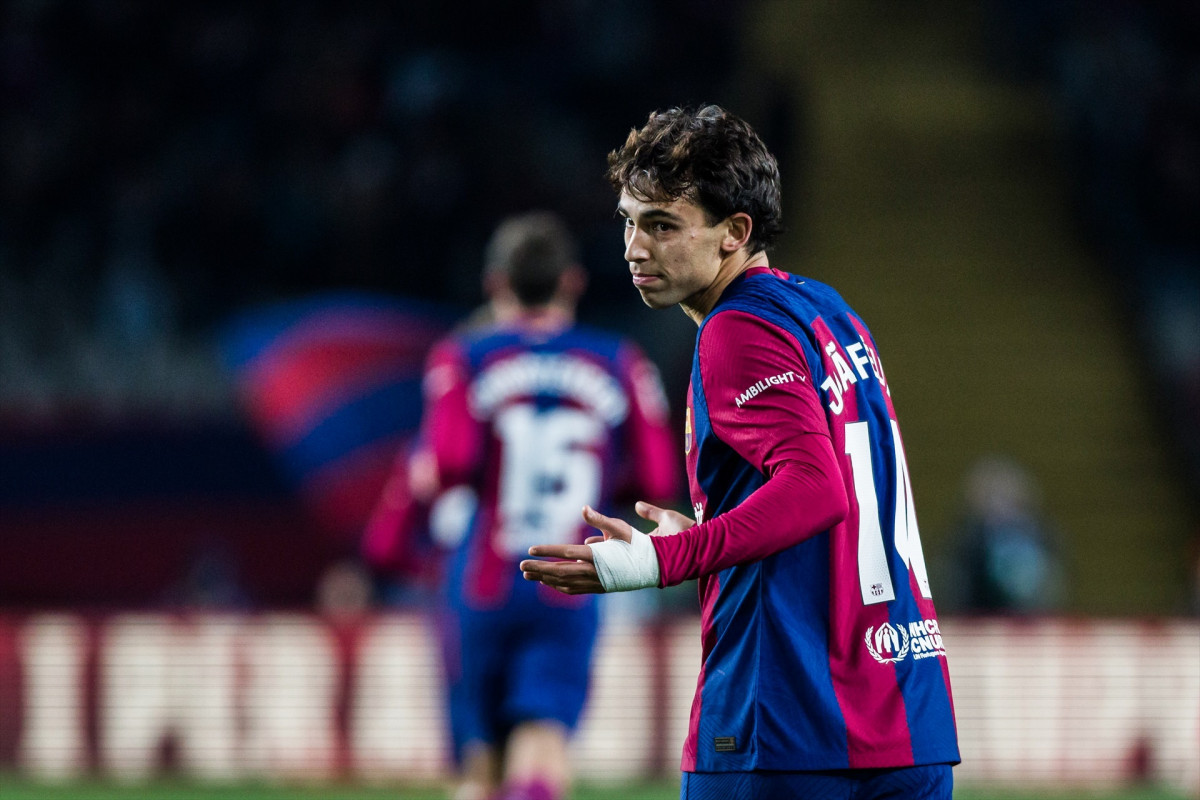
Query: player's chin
[{"x": 656, "y": 299}]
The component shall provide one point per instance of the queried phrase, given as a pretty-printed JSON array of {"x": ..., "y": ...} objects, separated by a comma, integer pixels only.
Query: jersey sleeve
[
  {"x": 449, "y": 429},
  {"x": 654, "y": 472},
  {"x": 757, "y": 385},
  {"x": 389, "y": 540}
]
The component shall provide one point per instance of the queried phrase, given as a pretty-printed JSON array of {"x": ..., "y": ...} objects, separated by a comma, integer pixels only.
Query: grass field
[{"x": 11, "y": 789}]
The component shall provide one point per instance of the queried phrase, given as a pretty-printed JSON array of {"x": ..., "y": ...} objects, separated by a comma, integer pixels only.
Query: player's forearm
[
  {"x": 454, "y": 468},
  {"x": 800, "y": 500},
  {"x": 456, "y": 442},
  {"x": 451, "y": 433}
]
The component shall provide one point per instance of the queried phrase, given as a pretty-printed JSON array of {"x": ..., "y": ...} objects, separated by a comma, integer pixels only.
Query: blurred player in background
[
  {"x": 824, "y": 674},
  {"x": 528, "y": 418}
]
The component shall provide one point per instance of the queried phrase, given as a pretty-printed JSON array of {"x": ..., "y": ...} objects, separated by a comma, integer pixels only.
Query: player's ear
[
  {"x": 572, "y": 283},
  {"x": 737, "y": 232}
]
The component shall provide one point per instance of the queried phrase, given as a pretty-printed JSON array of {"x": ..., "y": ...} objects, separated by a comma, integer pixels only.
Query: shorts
[
  {"x": 929, "y": 782},
  {"x": 525, "y": 662}
]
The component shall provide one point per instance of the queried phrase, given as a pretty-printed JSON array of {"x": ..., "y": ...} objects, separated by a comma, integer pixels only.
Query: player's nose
[{"x": 635, "y": 250}]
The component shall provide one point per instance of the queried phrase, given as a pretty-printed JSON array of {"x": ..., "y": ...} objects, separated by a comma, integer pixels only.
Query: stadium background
[{"x": 227, "y": 232}]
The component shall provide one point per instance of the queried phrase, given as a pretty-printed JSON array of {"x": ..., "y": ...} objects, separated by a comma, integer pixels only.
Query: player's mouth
[{"x": 644, "y": 280}]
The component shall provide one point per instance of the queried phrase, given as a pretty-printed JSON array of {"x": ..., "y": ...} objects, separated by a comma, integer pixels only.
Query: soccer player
[
  {"x": 824, "y": 674},
  {"x": 534, "y": 416}
]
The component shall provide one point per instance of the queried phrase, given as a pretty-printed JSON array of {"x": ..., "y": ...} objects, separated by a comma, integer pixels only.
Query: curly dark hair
[{"x": 709, "y": 157}]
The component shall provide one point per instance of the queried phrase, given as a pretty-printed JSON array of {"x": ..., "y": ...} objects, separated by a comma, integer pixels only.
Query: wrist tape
[{"x": 625, "y": 566}]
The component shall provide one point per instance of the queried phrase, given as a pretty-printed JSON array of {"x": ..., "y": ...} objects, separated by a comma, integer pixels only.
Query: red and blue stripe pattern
[{"x": 333, "y": 385}]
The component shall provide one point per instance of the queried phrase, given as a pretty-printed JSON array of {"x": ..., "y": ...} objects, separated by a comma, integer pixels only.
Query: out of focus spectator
[
  {"x": 344, "y": 590},
  {"x": 1006, "y": 556}
]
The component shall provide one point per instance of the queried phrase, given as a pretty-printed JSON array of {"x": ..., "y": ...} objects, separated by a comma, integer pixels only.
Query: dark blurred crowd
[
  {"x": 1124, "y": 79},
  {"x": 162, "y": 163}
]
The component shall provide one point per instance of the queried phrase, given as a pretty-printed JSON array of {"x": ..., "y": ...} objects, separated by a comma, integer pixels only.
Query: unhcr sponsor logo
[{"x": 889, "y": 643}]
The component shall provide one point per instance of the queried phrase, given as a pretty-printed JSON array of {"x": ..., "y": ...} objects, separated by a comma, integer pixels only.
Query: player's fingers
[
  {"x": 555, "y": 569},
  {"x": 593, "y": 540},
  {"x": 568, "y": 577},
  {"x": 676, "y": 521},
  {"x": 572, "y": 552},
  {"x": 648, "y": 511},
  {"x": 612, "y": 527},
  {"x": 667, "y": 520}
]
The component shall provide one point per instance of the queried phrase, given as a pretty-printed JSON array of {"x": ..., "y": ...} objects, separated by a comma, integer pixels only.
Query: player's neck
[
  {"x": 547, "y": 317},
  {"x": 699, "y": 305}
]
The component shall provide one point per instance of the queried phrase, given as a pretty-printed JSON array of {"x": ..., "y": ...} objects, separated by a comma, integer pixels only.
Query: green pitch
[{"x": 11, "y": 789}]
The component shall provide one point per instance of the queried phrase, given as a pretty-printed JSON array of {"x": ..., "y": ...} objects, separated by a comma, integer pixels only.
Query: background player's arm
[
  {"x": 388, "y": 536},
  {"x": 781, "y": 431},
  {"x": 653, "y": 470},
  {"x": 453, "y": 437}
]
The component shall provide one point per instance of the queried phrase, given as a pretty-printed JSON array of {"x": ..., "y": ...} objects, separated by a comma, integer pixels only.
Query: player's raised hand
[{"x": 668, "y": 522}]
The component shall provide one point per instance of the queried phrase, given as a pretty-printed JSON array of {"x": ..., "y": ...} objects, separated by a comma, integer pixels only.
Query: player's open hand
[{"x": 576, "y": 572}]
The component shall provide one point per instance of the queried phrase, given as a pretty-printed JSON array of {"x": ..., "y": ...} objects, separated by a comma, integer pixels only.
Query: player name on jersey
[
  {"x": 842, "y": 377},
  {"x": 558, "y": 374}
]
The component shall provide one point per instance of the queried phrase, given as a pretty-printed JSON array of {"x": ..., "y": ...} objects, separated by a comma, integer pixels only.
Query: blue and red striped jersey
[
  {"x": 821, "y": 647},
  {"x": 539, "y": 423}
]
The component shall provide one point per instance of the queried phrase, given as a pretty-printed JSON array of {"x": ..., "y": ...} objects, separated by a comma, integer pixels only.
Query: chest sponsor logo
[
  {"x": 889, "y": 643},
  {"x": 762, "y": 385}
]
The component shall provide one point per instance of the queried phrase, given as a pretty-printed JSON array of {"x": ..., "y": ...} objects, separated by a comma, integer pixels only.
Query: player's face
[{"x": 672, "y": 251}]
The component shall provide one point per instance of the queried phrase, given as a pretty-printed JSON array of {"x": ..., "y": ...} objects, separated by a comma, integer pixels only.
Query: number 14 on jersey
[{"x": 875, "y": 579}]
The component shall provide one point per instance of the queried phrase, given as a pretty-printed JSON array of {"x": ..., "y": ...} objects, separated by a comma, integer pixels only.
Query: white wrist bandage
[{"x": 624, "y": 566}]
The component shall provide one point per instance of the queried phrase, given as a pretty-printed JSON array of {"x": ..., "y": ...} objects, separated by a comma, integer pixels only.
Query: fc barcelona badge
[{"x": 687, "y": 431}]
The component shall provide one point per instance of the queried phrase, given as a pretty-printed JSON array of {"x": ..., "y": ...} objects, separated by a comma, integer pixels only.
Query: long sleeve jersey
[{"x": 821, "y": 647}]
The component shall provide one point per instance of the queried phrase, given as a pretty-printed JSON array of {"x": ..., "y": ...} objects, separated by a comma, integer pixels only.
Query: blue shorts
[
  {"x": 930, "y": 782},
  {"x": 525, "y": 662}
]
